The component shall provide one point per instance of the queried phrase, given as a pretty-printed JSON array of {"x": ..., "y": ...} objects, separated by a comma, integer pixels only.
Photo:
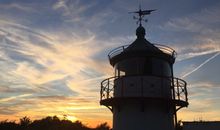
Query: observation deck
[{"x": 178, "y": 91}]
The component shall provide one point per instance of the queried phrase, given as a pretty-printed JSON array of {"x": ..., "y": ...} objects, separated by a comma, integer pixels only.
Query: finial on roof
[{"x": 140, "y": 32}]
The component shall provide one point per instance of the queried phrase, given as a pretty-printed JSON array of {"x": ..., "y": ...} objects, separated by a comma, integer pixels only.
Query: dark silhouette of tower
[{"x": 143, "y": 94}]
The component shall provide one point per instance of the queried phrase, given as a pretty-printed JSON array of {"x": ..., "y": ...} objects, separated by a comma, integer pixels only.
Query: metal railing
[
  {"x": 180, "y": 90},
  {"x": 107, "y": 88},
  {"x": 117, "y": 51},
  {"x": 163, "y": 48}
]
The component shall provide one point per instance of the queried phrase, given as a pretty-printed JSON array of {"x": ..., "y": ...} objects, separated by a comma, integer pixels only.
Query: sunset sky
[{"x": 53, "y": 54}]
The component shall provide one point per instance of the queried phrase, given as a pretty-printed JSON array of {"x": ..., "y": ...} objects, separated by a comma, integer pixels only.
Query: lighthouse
[{"x": 143, "y": 93}]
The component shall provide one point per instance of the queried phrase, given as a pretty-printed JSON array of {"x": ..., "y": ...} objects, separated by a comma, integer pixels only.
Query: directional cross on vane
[{"x": 141, "y": 14}]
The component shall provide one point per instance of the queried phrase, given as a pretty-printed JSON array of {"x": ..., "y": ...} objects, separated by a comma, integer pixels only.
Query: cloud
[
  {"x": 81, "y": 16},
  {"x": 7, "y": 111},
  {"x": 183, "y": 24},
  {"x": 58, "y": 87},
  {"x": 195, "y": 34},
  {"x": 72, "y": 10},
  {"x": 202, "y": 64},
  {"x": 196, "y": 38},
  {"x": 14, "y": 97},
  {"x": 17, "y": 89},
  {"x": 16, "y": 6},
  {"x": 57, "y": 69},
  {"x": 203, "y": 89}
]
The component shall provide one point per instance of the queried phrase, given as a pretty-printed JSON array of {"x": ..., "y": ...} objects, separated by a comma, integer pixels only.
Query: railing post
[
  {"x": 109, "y": 57},
  {"x": 186, "y": 93},
  {"x": 108, "y": 89},
  {"x": 178, "y": 91},
  {"x": 101, "y": 93}
]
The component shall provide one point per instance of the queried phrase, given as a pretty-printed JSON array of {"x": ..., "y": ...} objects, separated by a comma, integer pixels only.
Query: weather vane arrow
[{"x": 141, "y": 14}]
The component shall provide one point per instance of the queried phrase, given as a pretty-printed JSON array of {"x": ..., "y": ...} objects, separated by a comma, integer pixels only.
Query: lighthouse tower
[{"x": 143, "y": 94}]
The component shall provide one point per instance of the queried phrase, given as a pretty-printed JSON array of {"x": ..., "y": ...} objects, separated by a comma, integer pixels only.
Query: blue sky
[{"x": 53, "y": 54}]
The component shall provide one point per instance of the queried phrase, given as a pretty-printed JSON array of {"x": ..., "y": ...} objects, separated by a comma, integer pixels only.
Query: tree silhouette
[
  {"x": 9, "y": 125},
  {"x": 103, "y": 126},
  {"x": 48, "y": 123},
  {"x": 25, "y": 122}
]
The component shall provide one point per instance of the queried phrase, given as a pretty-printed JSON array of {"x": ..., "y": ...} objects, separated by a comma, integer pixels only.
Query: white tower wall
[
  {"x": 136, "y": 111},
  {"x": 142, "y": 86},
  {"x": 130, "y": 116}
]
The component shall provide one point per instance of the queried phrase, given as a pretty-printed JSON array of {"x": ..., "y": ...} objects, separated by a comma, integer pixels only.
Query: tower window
[{"x": 142, "y": 66}]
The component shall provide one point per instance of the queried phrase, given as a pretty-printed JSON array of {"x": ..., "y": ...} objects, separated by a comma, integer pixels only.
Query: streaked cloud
[
  {"x": 16, "y": 6},
  {"x": 202, "y": 64},
  {"x": 40, "y": 65},
  {"x": 197, "y": 33}
]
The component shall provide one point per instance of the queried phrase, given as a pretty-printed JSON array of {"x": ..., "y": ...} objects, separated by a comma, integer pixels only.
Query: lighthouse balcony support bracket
[{"x": 109, "y": 98}]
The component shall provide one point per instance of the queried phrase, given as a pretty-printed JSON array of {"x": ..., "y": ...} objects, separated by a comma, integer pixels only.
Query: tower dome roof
[
  {"x": 141, "y": 47},
  {"x": 141, "y": 44}
]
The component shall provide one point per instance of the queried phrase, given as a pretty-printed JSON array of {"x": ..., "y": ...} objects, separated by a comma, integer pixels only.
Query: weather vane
[{"x": 141, "y": 14}]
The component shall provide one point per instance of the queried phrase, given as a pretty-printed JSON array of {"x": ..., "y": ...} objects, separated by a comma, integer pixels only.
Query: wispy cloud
[
  {"x": 202, "y": 64},
  {"x": 17, "y": 6},
  {"x": 37, "y": 65},
  {"x": 196, "y": 34},
  {"x": 72, "y": 10},
  {"x": 14, "y": 97}
]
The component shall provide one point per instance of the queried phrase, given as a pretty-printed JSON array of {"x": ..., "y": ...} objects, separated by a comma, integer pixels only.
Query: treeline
[{"x": 48, "y": 123}]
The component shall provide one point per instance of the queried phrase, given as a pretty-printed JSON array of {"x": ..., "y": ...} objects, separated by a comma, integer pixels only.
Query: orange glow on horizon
[{"x": 92, "y": 123}]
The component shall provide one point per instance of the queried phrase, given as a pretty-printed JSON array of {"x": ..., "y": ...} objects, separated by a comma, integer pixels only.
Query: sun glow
[
  {"x": 69, "y": 117},
  {"x": 72, "y": 118}
]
